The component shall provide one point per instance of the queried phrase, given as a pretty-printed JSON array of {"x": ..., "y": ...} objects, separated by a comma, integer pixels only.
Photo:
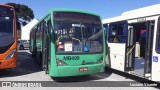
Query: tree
[{"x": 23, "y": 12}]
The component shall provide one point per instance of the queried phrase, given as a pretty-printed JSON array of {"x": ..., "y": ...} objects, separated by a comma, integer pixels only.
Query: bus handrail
[{"x": 130, "y": 50}]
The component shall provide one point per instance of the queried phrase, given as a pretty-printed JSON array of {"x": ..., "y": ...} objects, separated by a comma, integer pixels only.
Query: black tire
[
  {"x": 32, "y": 55},
  {"x": 47, "y": 67},
  {"x": 40, "y": 58},
  {"x": 35, "y": 53},
  {"x": 21, "y": 47}
]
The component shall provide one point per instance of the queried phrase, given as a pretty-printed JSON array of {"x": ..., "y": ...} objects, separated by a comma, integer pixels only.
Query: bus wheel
[
  {"x": 47, "y": 67},
  {"x": 32, "y": 55},
  {"x": 40, "y": 58},
  {"x": 35, "y": 52},
  {"x": 58, "y": 79},
  {"x": 21, "y": 47}
]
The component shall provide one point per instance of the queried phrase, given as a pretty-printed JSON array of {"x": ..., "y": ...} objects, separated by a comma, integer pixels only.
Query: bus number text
[
  {"x": 71, "y": 58},
  {"x": 141, "y": 19}
]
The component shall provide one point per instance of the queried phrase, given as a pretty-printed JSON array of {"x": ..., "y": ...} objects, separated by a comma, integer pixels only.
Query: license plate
[{"x": 83, "y": 69}]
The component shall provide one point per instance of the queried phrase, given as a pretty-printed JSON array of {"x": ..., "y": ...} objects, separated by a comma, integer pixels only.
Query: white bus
[{"x": 134, "y": 42}]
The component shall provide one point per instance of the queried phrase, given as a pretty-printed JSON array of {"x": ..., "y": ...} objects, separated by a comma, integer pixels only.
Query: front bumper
[
  {"x": 10, "y": 63},
  {"x": 64, "y": 71}
]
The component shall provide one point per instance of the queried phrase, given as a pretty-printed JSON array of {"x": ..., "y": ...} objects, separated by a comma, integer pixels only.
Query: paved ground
[{"x": 29, "y": 70}]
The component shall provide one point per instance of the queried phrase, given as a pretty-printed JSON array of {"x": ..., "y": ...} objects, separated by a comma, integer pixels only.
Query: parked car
[{"x": 23, "y": 44}]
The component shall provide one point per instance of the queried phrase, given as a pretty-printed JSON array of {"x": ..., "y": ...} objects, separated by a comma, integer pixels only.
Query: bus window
[
  {"x": 7, "y": 33},
  {"x": 117, "y": 33},
  {"x": 105, "y": 27},
  {"x": 93, "y": 37},
  {"x": 68, "y": 37},
  {"x": 77, "y": 36}
]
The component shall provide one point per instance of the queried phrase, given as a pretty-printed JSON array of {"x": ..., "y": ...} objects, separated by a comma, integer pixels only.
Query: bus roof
[
  {"x": 73, "y": 10},
  {"x": 137, "y": 13},
  {"x": 67, "y": 10},
  {"x": 64, "y": 10},
  {"x": 6, "y": 5}
]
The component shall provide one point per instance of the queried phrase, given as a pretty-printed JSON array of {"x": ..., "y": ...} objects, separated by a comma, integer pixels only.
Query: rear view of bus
[
  {"x": 8, "y": 39},
  {"x": 78, "y": 44}
]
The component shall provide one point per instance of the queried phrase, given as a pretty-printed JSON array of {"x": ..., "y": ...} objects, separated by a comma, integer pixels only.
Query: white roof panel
[
  {"x": 26, "y": 29},
  {"x": 137, "y": 13}
]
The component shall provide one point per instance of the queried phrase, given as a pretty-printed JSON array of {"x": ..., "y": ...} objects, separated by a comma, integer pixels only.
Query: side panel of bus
[
  {"x": 156, "y": 53},
  {"x": 116, "y": 44}
]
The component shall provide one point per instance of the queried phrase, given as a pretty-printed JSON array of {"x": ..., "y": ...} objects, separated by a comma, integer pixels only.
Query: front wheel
[{"x": 21, "y": 47}]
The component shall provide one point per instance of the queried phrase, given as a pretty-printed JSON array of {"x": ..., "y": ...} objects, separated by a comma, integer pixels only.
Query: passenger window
[
  {"x": 117, "y": 33},
  {"x": 106, "y": 31}
]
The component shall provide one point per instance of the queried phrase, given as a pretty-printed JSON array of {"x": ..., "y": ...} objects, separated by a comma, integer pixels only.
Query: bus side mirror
[{"x": 18, "y": 25}]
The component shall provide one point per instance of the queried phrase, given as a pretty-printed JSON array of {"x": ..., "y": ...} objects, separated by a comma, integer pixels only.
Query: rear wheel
[
  {"x": 40, "y": 62},
  {"x": 34, "y": 53}
]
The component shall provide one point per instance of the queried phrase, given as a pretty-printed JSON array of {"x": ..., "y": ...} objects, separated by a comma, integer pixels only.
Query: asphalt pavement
[{"x": 29, "y": 75}]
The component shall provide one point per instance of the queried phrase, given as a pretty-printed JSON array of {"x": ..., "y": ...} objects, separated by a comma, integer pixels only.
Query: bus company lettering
[{"x": 71, "y": 58}]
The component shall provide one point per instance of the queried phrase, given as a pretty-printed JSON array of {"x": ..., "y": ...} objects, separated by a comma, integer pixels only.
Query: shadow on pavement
[
  {"x": 133, "y": 77},
  {"x": 28, "y": 65},
  {"x": 25, "y": 65}
]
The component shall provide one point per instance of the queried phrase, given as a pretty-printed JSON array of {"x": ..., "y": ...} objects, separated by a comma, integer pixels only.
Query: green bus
[{"x": 69, "y": 43}]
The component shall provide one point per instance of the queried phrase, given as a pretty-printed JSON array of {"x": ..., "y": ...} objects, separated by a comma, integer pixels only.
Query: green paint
[{"x": 73, "y": 61}]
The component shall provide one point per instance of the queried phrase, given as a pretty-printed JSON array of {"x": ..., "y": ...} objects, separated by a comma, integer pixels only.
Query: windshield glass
[
  {"x": 92, "y": 35},
  {"x": 6, "y": 26},
  {"x": 78, "y": 36}
]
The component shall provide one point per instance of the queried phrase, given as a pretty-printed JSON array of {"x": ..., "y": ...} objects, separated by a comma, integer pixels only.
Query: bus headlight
[
  {"x": 100, "y": 60},
  {"x": 60, "y": 62},
  {"x": 10, "y": 55}
]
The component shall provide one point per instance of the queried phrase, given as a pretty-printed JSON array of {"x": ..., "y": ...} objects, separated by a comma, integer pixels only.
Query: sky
[{"x": 105, "y": 8}]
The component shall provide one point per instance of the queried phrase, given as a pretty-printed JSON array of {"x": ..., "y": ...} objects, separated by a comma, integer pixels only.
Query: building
[{"x": 26, "y": 29}]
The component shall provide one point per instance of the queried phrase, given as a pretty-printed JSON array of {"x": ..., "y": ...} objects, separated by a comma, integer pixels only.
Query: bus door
[
  {"x": 116, "y": 44},
  {"x": 46, "y": 45},
  {"x": 149, "y": 47},
  {"x": 130, "y": 49},
  {"x": 44, "y": 35},
  {"x": 34, "y": 42}
]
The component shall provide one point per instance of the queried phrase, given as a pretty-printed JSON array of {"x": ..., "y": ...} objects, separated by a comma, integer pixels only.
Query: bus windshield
[
  {"x": 78, "y": 36},
  {"x": 6, "y": 26}
]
